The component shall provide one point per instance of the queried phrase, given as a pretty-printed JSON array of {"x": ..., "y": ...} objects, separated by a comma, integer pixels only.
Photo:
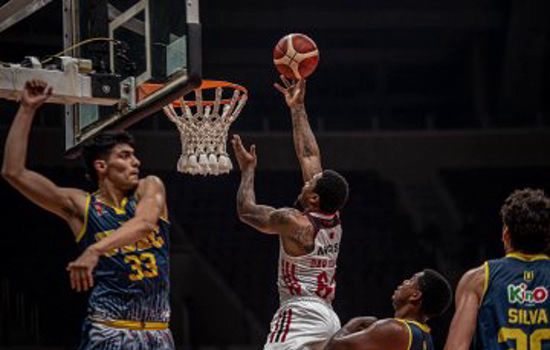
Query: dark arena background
[{"x": 434, "y": 110}]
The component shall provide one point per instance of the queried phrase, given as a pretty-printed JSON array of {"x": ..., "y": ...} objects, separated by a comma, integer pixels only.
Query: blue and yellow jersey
[
  {"x": 515, "y": 307},
  {"x": 419, "y": 335},
  {"x": 132, "y": 282}
]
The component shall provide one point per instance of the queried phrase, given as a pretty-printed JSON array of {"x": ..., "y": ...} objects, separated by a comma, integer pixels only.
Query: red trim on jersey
[
  {"x": 323, "y": 216},
  {"x": 289, "y": 277},
  {"x": 287, "y": 325},
  {"x": 97, "y": 207},
  {"x": 297, "y": 286},
  {"x": 316, "y": 225},
  {"x": 320, "y": 221},
  {"x": 276, "y": 327}
]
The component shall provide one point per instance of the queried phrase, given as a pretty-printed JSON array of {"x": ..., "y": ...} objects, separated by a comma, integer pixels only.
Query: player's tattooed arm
[
  {"x": 248, "y": 210},
  {"x": 383, "y": 334},
  {"x": 305, "y": 143},
  {"x": 284, "y": 221},
  {"x": 246, "y": 196},
  {"x": 468, "y": 296}
]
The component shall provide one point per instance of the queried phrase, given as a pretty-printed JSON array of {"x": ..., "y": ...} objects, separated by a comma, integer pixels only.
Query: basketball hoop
[{"x": 203, "y": 125}]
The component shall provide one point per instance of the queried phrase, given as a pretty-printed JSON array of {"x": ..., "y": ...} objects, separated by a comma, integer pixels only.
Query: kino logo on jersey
[{"x": 519, "y": 294}]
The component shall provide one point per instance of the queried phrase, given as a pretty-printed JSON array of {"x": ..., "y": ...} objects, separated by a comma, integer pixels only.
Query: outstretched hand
[
  {"x": 246, "y": 159},
  {"x": 36, "y": 92},
  {"x": 80, "y": 270},
  {"x": 294, "y": 92}
]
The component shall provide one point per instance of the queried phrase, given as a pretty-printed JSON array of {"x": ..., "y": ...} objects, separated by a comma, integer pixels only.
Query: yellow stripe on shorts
[{"x": 135, "y": 325}]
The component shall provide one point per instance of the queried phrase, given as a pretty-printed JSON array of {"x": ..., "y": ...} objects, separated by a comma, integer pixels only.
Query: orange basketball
[{"x": 296, "y": 56}]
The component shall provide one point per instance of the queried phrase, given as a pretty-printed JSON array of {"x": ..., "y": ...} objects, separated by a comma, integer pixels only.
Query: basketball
[{"x": 296, "y": 56}]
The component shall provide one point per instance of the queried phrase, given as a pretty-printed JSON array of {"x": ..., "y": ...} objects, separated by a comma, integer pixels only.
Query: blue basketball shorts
[{"x": 125, "y": 335}]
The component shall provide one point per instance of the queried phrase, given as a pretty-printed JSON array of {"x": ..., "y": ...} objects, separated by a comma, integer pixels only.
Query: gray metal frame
[
  {"x": 180, "y": 85},
  {"x": 121, "y": 21},
  {"x": 70, "y": 37},
  {"x": 14, "y": 11}
]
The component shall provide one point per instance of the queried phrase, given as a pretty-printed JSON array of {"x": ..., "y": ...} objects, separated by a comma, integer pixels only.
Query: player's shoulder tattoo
[
  {"x": 285, "y": 215},
  {"x": 300, "y": 229}
]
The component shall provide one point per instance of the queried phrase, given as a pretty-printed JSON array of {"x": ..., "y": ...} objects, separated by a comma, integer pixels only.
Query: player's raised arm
[
  {"x": 67, "y": 203},
  {"x": 251, "y": 213},
  {"x": 285, "y": 221},
  {"x": 248, "y": 210},
  {"x": 305, "y": 144},
  {"x": 383, "y": 334},
  {"x": 469, "y": 294}
]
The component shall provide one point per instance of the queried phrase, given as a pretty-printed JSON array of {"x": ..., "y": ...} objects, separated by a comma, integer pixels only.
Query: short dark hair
[
  {"x": 332, "y": 189},
  {"x": 526, "y": 214},
  {"x": 436, "y": 293},
  {"x": 100, "y": 147}
]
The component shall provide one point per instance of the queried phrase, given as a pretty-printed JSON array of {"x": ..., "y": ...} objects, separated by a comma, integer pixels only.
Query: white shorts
[{"x": 302, "y": 323}]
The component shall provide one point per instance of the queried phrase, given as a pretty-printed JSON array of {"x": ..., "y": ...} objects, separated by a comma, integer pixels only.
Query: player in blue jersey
[
  {"x": 427, "y": 294},
  {"x": 505, "y": 302},
  {"x": 121, "y": 228}
]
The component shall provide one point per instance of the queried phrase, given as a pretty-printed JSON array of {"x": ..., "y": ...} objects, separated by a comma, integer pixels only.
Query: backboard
[{"x": 141, "y": 41}]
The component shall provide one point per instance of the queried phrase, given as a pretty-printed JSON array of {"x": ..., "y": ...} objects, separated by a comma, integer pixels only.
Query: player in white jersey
[{"x": 310, "y": 239}]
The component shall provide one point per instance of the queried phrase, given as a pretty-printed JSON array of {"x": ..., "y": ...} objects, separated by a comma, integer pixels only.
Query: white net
[{"x": 203, "y": 127}]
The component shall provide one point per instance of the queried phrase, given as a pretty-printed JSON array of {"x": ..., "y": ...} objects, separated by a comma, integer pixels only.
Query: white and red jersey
[{"x": 312, "y": 275}]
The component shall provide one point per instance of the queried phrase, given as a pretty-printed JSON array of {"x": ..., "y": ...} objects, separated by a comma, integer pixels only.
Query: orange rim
[{"x": 147, "y": 89}]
